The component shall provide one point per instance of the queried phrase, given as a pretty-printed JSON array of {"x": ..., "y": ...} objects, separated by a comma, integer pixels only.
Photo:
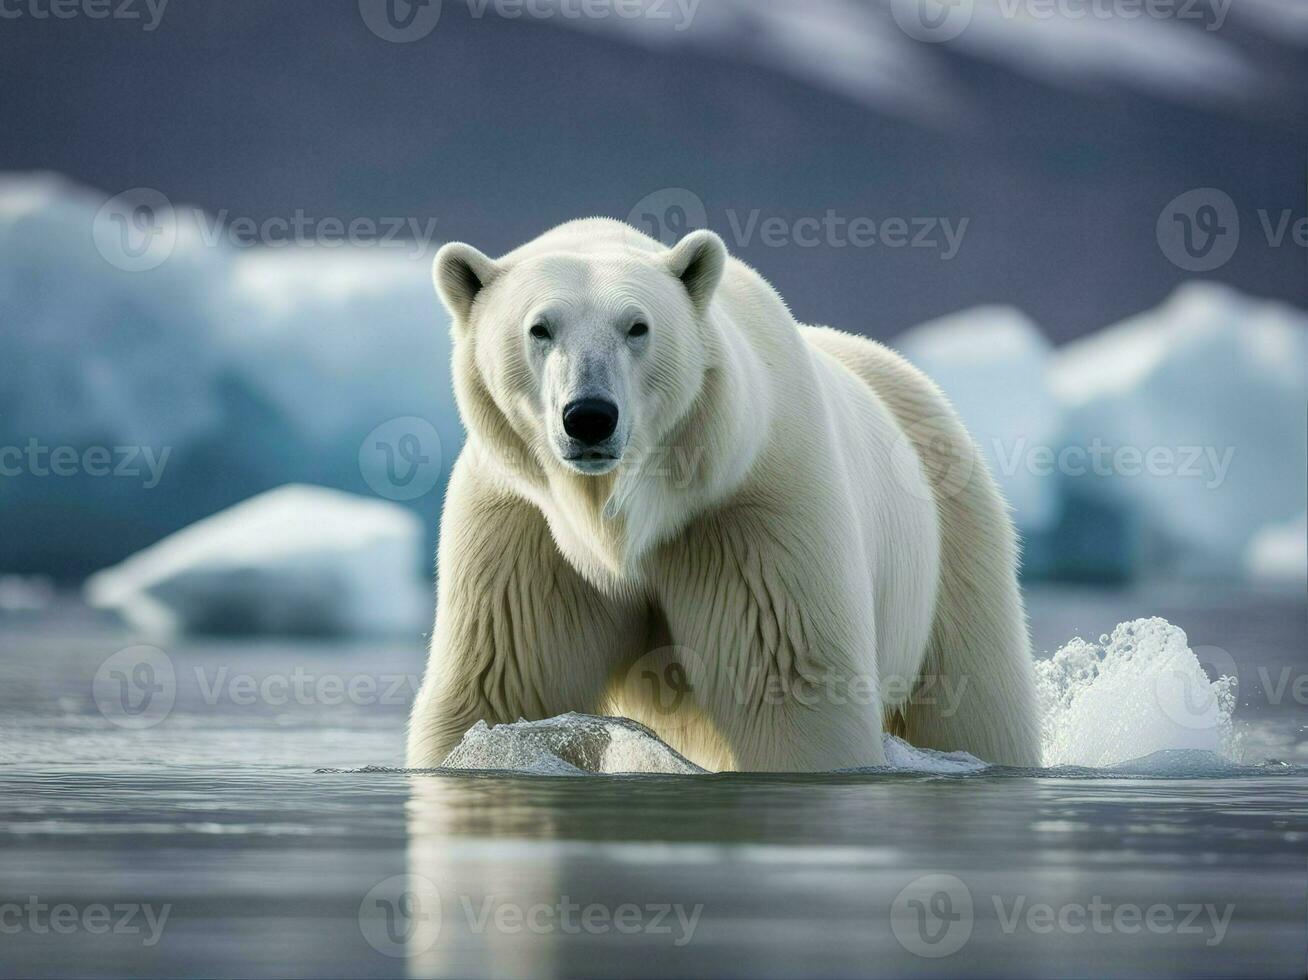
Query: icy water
[{"x": 202, "y": 841}]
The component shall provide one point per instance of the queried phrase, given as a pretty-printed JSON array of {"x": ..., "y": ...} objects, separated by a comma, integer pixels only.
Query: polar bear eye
[
  {"x": 540, "y": 331},
  {"x": 638, "y": 329}
]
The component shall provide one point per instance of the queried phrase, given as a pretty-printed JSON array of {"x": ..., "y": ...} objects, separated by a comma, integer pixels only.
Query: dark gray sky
[{"x": 877, "y": 180}]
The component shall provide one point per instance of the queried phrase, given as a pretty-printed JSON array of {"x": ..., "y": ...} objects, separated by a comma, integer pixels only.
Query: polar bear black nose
[{"x": 590, "y": 420}]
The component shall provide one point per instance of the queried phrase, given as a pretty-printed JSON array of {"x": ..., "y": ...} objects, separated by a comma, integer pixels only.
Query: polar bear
[{"x": 829, "y": 561}]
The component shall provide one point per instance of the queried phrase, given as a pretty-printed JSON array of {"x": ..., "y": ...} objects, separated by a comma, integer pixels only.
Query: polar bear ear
[
  {"x": 460, "y": 273},
  {"x": 698, "y": 261}
]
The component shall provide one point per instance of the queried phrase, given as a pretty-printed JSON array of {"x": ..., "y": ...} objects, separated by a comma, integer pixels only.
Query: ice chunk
[
  {"x": 1196, "y": 413},
  {"x": 1188, "y": 763},
  {"x": 567, "y": 745},
  {"x": 1140, "y": 691},
  {"x": 901, "y": 755},
  {"x": 1280, "y": 552},
  {"x": 993, "y": 364},
  {"x": 296, "y": 560}
]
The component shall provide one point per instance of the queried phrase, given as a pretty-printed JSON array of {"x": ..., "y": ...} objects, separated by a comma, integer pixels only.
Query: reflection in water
[{"x": 845, "y": 876}]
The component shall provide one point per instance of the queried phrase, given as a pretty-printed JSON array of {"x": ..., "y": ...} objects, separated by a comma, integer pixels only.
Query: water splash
[{"x": 1139, "y": 691}]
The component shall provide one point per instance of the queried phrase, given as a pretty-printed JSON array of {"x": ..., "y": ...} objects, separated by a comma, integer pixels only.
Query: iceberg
[
  {"x": 1189, "y": 420},
  {"x": 993, "y": 364},
  {"x": 295, "y": 560},
  {"x": 236, "y": 368}
]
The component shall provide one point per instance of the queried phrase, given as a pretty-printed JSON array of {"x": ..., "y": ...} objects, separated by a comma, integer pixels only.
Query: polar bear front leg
[
  {"x": 519, "y": 634},
  {"x": 777, "y": 650}
]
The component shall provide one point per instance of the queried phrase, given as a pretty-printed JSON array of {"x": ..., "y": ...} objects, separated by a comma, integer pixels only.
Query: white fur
[{"x": 800, "y": 553}]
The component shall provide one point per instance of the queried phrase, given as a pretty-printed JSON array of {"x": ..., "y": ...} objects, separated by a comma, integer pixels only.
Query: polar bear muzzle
[{"x": 590, "y": 420}]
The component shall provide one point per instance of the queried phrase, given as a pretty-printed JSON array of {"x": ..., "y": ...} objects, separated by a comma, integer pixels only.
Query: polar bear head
[{"x": 583, "y": 348}]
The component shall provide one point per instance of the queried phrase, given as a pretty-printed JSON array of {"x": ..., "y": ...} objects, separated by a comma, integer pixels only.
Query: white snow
[
  {"x": 292, "y": 560},
  {"x": 993, "y": 364},
  {"x": 1213, "y": 384}
]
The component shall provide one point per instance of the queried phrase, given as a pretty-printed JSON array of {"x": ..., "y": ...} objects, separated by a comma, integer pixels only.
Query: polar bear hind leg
[{"x": 976, "y": 689}]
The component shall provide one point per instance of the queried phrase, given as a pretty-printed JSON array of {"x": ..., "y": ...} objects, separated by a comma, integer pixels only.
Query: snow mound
[
  {"x": 1196, "y": 413},
  {"x": 993, "y": 364},
  {"x": 1137, "y": 692},
  {"x": 295, "y": 560}
]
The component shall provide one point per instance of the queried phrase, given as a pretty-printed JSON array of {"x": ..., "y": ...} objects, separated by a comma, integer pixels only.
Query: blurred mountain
[{"x": 1059, "y": 142}]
